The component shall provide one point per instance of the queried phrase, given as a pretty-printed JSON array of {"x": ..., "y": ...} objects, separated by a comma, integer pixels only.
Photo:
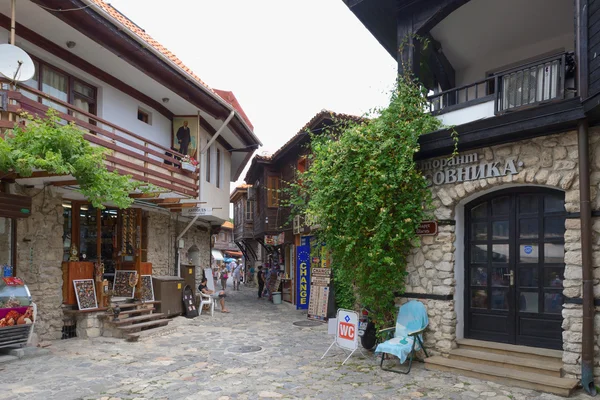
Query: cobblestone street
[{"x": 197, "y": 360}]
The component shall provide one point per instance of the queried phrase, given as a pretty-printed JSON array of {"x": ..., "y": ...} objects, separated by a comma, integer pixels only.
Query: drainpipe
[
  {"x": 193, "y": 221},
  {"x": 587, "y": 351}
]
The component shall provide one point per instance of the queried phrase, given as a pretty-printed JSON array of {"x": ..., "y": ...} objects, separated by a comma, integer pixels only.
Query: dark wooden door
[{"x": 514, "y": 258}]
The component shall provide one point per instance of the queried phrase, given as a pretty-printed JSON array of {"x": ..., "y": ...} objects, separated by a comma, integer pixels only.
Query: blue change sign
[{"x": 302, "y": 277}]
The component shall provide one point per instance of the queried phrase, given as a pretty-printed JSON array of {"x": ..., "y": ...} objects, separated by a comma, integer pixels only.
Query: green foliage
[
  {"x": 344, "y": 290},
  {"x": 47, "y": 144},
  {"x": 364, "y": 190}
]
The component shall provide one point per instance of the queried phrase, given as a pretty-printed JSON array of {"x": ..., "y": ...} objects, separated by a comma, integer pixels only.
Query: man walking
[
  {"x": 261, "y": 281},
  {"x": 184, "y": 138},
  {"x": 236, "y": 269}
]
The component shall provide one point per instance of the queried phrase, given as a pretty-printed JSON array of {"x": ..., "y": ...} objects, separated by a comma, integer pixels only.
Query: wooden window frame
[
  {"x": 218, "y": 167},
  {"x": 273, "y": 191},
  {"x": 71, "y": 93},
  {"x": 208, "y": 162},
  {"x": 249, "y": 214},
  {"x": 146, "y": 116}
]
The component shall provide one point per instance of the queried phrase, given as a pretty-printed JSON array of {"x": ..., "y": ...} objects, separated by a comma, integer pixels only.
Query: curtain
[{"x": 56, "y": 85}]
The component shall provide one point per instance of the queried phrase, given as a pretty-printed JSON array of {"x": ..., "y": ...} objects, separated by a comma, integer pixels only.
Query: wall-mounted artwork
[
  {"x": 121, "y": 285},
  {"x": 147, "y": 289},
  {"x": 185, "y": 135},
  {"x": 85, "y": 290}
]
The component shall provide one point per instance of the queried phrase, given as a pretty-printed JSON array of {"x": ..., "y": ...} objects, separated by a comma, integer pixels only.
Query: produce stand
[{"x": 17, "y": 313}]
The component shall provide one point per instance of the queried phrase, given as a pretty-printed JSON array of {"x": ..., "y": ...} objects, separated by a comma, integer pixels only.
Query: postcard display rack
[{"x": 17, "y": 313}]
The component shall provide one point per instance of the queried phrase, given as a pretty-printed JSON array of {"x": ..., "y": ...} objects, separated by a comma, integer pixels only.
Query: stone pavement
[{"x": 198, "y": 361}]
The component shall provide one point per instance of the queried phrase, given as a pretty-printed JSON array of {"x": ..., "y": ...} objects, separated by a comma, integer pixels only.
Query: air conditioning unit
[
  {"x": 251, "y": 193},
  {"x": 297, "y": 226}
]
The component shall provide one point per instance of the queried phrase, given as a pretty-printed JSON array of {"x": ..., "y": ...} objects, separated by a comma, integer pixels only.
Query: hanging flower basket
[{"x": 188, "y": 166}]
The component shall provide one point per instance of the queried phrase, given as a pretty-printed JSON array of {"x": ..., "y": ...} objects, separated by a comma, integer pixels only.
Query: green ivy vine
[{"x": 49, "y": 145}]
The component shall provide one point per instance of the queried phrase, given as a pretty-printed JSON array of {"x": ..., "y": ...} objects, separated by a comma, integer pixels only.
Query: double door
[{"x": 514, "y": 258}]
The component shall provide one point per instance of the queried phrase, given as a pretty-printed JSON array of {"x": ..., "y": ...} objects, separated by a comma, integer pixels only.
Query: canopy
[
  {"x": 228, "y": 260},
  {"x": 217, "y": 255},
  {"x": 233, "y": 253}
]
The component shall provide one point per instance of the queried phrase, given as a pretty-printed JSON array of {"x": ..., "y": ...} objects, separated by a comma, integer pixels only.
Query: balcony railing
[
  {"x": 130, "y": 153},
  {"x": 525, "y": 86}
]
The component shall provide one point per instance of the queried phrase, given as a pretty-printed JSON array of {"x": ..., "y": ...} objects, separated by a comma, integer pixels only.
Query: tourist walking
[
  {"x": 236, "y": 270},
  {"x": 224, "y": 276},
  {"x": 261, "y": 281}
]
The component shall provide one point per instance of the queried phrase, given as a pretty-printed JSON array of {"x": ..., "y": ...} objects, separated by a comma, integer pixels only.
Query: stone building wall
[
  {"x": 39, "y": 259},
  {"x": 549, "y": 161}
]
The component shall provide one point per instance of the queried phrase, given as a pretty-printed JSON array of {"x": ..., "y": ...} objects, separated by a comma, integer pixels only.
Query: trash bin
[{"x": 276, "y": 297}]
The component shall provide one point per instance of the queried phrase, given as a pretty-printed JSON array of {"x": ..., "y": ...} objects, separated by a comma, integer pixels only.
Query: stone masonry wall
[
  {"x": 39, "y": 258},
  {"x": 549, "y": 161}
]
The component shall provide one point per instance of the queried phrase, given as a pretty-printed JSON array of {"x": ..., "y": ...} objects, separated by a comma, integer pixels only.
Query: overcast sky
[{"x": 285, "y": 60}]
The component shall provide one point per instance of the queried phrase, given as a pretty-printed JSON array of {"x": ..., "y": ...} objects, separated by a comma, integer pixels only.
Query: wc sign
[{"x": 347, "y": 329}]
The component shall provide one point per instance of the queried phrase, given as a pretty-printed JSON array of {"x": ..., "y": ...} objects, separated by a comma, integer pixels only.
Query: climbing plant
[
  {"x": 363, "y": 189},
  {"x": 49, "y": 145}
]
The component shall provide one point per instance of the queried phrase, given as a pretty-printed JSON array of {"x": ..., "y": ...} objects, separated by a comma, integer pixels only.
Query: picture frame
[
  {"x": 85, "y": 291},
  {"x": 121, "y": 286},
  {"x": 147, "y": 289}
]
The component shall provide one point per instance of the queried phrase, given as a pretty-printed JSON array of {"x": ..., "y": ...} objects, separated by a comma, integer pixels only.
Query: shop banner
[{"x": 302, "y": 277}]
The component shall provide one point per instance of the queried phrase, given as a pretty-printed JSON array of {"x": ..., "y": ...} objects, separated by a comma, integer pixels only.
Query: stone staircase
[
  {"x": 521, "y": 366},
  {"x": 136, "y": 318}
]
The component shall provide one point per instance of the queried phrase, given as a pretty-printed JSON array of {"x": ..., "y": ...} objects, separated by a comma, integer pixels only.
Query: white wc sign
[{"x": 346, "y": 334}]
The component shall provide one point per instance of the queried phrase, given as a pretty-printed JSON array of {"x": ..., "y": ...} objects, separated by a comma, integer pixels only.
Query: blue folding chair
[{"x": 406, "y": 337}]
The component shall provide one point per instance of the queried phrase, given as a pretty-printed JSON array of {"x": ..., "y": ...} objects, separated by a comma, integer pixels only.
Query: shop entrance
[{"x": 514, "y": 258}]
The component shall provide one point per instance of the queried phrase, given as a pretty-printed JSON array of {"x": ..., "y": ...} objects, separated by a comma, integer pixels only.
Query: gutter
[{"x": 165, "y": 59}]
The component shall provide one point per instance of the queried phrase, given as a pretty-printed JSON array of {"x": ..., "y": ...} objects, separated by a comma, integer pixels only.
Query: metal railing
[
  {"x": 130, "y": 153},
  {"x": 524, "y": 86}
]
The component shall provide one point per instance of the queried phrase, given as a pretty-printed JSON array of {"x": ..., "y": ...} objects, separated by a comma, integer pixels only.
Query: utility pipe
[
  {"x": 585, "y": 216},
  {"x": 193, "y": 221},
  {"x": 13, "y": 18}
]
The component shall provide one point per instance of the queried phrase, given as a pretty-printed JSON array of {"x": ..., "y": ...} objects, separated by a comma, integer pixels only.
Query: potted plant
[{"x": 189, "y": 164}]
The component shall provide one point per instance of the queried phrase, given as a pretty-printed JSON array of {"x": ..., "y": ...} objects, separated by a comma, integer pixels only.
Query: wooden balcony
[{"x": 130, "y": 153}]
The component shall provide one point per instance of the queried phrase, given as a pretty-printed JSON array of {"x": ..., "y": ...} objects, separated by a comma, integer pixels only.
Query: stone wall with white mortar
[{"x": 549, "y": 161}]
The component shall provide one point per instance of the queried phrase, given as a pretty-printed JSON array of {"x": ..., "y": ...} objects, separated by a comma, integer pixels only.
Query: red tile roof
[
  {"x": 227, "y": 225},
  {"x": 231, "y": 99}
]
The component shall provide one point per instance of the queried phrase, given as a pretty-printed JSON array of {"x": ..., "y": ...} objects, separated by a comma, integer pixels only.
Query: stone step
[
  {"x": 124, "y": 306},
  {"x": 139, "y": 318},
  {"x": 129, "y": 312},
  {"x": 150, "y": 333},
  {"x": 537, "y": 353},
  {"x": 142, "y": 325},
  {"x": 505, "y": 376},
  {"x": 550, "y": 368}
]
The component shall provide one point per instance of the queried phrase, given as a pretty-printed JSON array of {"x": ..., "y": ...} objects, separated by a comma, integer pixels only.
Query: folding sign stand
[{"x": 346, "y": 334}]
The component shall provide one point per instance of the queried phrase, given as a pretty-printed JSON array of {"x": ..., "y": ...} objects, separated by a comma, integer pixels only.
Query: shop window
[
  {"x": 7, "y": 246},
  {"x": 67, "y": 229},
  {"x": 273, "y": 191}
]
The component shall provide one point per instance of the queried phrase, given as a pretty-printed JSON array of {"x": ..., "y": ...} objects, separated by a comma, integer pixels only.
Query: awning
[
  {"x": 217, "y": 255},
  {"x": 233, "y": 253}
]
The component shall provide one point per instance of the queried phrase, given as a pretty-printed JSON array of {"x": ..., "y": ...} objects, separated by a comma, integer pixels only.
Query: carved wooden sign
[{"x": 427, "y": 228}]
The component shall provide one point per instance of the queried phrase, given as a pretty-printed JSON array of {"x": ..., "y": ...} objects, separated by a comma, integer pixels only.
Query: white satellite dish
[{"x": 15, "y": 63}]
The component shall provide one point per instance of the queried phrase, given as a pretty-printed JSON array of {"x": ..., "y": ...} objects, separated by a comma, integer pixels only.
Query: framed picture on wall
[
  {"x": 185, "y": 135},
  {"x": 85, "y": 291}
]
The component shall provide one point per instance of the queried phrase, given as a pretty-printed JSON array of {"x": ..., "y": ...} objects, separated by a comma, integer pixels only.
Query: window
[
  {"x": 240, "y": 211},
  {"x": 249, "y": 210},
  {"x": 144, "y": 116},
  {"x": 7, "y": 245},
  {"x": 218, "y": 168},
  {"x": 273, "y": 191},
  {"x": 63, "y": 86},
  {"x": 208, "y": 163}
]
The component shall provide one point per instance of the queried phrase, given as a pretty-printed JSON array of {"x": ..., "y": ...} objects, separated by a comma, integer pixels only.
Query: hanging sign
[
  {"x": 302, "y": 277},
  {"x": 196, "y": 212},
  {"x": 320, "y": 278},
  {"x": 427, "y": 228}
]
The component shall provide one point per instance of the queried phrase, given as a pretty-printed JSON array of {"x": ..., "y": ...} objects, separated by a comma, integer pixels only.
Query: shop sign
[
  {"x": 302, "y": 277},
  {"x": 197, "y": 212},
  {"x": 275, "y": 240},
  {"x": 427, "y": 228},
  {"x": 320, "y": 279},
  {"x": 466, "y": 167}
]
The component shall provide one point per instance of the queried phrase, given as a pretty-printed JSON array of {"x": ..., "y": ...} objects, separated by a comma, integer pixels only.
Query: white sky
[{"x": 285, "y": 60}]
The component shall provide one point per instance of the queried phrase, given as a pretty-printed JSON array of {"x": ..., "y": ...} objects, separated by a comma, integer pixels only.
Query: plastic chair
[
  {"x": 407, "y": 335},
  {"x": 206, "y": 299}
]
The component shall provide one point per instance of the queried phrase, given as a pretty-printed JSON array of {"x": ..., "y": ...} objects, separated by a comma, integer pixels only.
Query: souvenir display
[
  {"x": 85, "y": 290},
  {"x": 17, "y": 312},
  {"x": 147, "y": 289},
  {"x": 121, "y": 286}
]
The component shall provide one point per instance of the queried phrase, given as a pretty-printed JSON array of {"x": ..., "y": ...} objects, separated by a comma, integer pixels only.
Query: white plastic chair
[
  {"x": 206, "y": 299},
  {"x": 34, "y": 321}
]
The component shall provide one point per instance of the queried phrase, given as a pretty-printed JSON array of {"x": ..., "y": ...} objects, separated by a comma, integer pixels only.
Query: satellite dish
[{"x": 15, "y": 63}]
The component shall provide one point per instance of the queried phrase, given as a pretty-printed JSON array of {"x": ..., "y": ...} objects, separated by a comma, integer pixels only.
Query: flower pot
[{"x": 188, "y": 167}]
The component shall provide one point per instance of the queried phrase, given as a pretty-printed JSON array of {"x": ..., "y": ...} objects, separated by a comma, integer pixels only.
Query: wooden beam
[
  {"x": 65, "y": 183},
  {"x": 168, "y": 200},
  {"x": 144, "y": 195},
  {"x": 179, "y": 205},
  {"x": 440, "y": 66}
]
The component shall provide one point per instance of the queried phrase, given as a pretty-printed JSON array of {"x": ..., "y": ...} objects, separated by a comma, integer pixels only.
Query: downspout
[
  {"x": 193, "y": 221},
  {"x": 587, "y": 350}
]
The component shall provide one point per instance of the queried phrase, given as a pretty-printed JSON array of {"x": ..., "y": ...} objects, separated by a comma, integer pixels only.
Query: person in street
[
  {"x": 236, "y": 271},
  {"x": 221, "y": 295},
  {"x": 261, "y": 281},
  {"x": 184, "y": 138},
  {"x": 224, "y": 276}
]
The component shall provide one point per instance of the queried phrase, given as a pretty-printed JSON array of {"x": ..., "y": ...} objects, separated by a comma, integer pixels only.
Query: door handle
[{"x": 512, "y": 277}]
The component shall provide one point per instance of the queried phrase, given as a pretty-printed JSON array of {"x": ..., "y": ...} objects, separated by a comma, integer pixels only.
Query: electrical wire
[{"x": 62, "y": 10}]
